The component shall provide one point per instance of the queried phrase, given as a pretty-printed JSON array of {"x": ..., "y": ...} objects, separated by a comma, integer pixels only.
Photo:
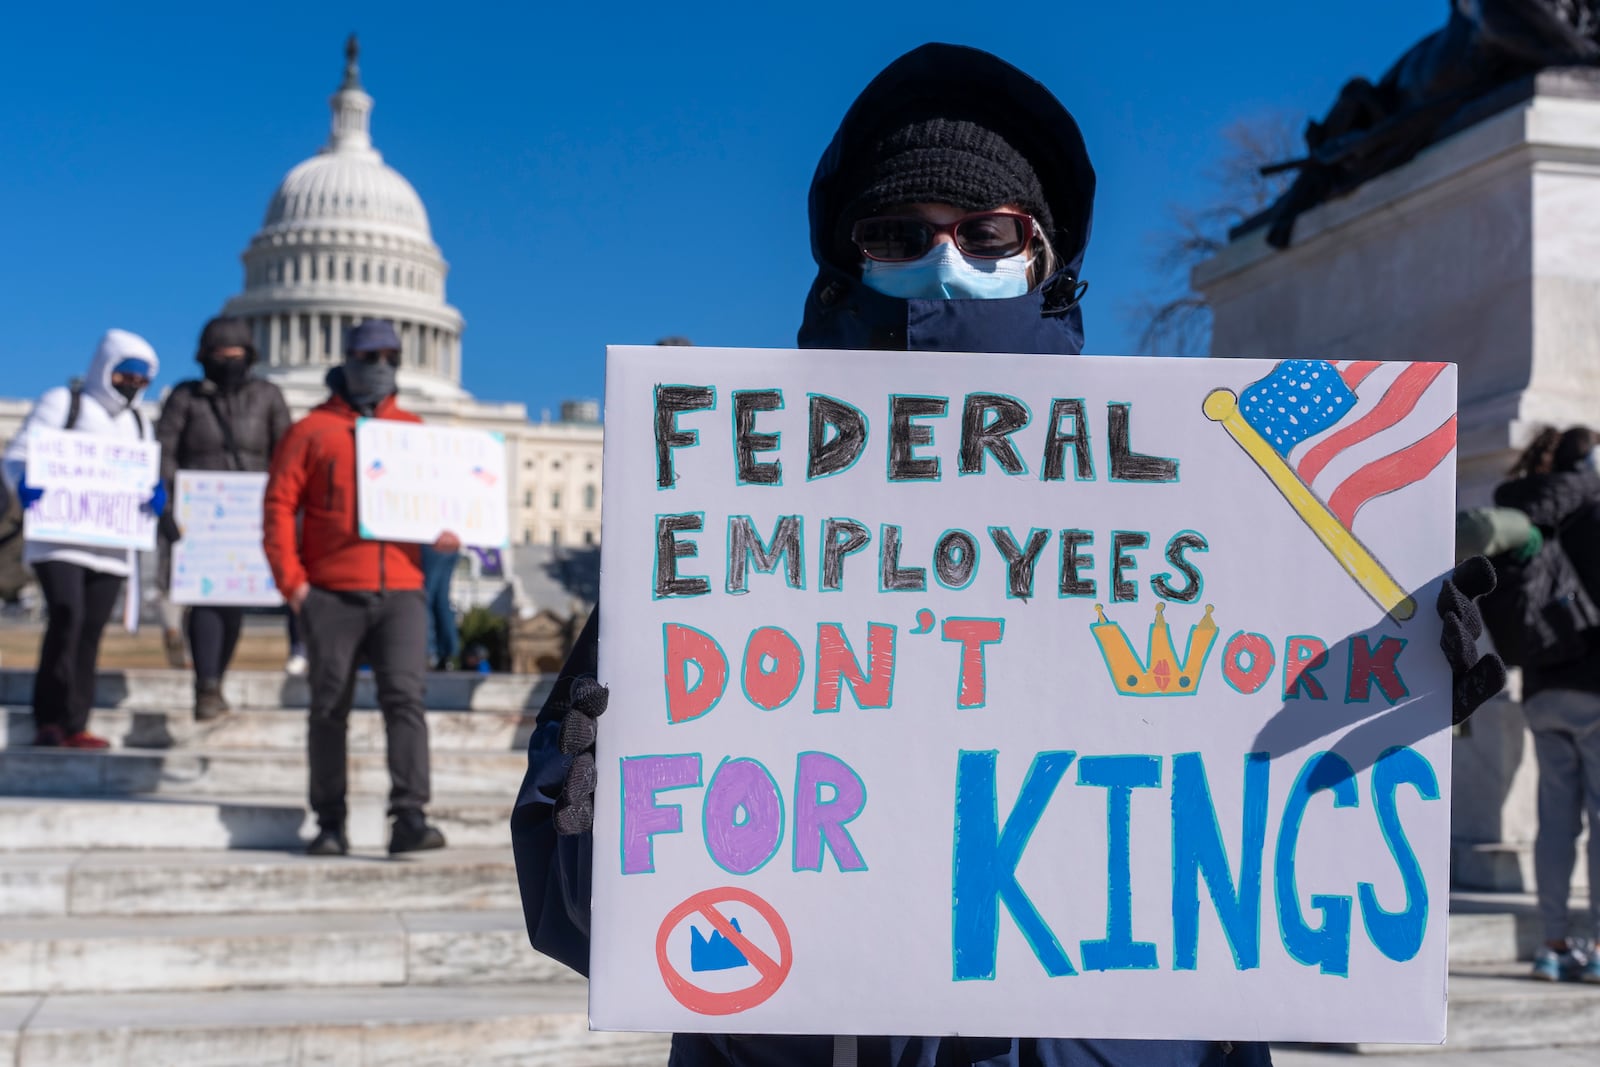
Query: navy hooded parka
[{"x": 842, "y": 313}]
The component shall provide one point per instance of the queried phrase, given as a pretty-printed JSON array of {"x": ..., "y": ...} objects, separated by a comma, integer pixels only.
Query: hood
[
  {"x": 227, "y": 332},
  {"x": 841, "y": 312},
  {"x": 116, "y": 346}
]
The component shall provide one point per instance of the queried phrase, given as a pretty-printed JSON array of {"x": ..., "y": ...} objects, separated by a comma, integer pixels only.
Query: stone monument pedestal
[{"x": 1483, "y": 251}]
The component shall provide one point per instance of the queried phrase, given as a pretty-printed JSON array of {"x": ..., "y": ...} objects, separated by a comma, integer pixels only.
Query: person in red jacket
[{"x": 356, "y": 598}]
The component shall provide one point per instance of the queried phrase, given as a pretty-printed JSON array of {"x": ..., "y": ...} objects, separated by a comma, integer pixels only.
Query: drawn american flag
[{"x": 1353, "y": 431}]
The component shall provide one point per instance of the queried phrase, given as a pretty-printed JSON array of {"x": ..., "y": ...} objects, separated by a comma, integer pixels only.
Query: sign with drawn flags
[
  {"x": 414, "y": 482},
  {"x": 1331, "y": 451},
  {"x": 1023, "y": 696}
]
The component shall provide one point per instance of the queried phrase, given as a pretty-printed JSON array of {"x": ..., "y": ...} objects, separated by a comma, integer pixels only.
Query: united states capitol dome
[
  {"x": 342, "y": 186},
  {"x": 346, "y": 238}
]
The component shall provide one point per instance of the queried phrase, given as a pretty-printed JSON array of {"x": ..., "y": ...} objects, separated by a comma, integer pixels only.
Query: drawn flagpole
[{"x": 1222, "y": 405}]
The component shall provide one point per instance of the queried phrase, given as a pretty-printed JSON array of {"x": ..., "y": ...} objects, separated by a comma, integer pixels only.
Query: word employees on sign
[
  {"x": 95, "y": 489},
  {"x": 219, "y": 558},
  {"x": 415, "y": 482},
  {"x": 1023, "y": 696}
]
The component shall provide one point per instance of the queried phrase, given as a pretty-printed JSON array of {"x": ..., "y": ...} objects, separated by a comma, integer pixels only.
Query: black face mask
[
  {"x": 128, "y": 390},
  {"x": 228, "y": 374}
]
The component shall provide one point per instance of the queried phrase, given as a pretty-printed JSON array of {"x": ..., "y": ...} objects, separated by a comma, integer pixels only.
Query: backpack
[
  {"x": 76, "y": 405},
  {"x": 1539, "y": 613},
  {"x": 13, "y": 575}
]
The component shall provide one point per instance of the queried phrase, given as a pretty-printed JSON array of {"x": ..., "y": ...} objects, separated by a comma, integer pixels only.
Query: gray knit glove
[{"x": 586, "y": 701}]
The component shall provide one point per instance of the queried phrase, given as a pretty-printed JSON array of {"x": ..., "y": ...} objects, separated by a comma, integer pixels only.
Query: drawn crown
[{"x": 1162, "y": 674}]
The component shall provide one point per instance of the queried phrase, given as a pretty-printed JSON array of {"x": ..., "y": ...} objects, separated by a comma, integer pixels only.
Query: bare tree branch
[{"x": 1174, "y": 320}]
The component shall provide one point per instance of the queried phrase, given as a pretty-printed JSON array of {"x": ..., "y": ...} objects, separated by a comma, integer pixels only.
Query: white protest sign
[
  {"x": 95, "y": 489},
  {"x": 1023, "y": 696},
  {"x": 219, "y": 559},
  {"x": 415, "y": 482}
]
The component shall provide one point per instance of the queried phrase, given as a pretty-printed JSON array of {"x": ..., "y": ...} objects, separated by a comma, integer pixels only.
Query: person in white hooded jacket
[{"x": 80, "y": 583}]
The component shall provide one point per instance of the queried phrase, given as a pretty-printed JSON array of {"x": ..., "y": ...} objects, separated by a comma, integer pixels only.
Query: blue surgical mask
[{"x": 945, "y": 274}]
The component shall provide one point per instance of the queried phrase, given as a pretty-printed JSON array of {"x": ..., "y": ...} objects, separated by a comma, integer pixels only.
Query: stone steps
[
  {"x": 435, "y": 1026},
  {"x": 46, "y": 772},
  {"x": 278, "y": 821},
  {"x": 1505, "y": 867},
  {"x": 154, "y": 728},
  {"x": 1492, "y": 938},
  {"x": 146, "y": 954},
  {"x": 1496, "y": 1006},
  {"x": 94, "y": 884},
  {"x": 156, "y": 905},
  {"x": 1545, "y": 1056},
  {"x": 174, "y": 690}
]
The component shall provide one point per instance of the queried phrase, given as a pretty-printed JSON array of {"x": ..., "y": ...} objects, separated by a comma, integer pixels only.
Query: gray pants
[
  {"x": 1566, "y": 741},
  {"x": 391, "y": 631}
]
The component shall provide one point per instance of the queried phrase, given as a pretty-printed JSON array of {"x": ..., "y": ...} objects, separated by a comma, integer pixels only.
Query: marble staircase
[{"x": 156, "y": 905}]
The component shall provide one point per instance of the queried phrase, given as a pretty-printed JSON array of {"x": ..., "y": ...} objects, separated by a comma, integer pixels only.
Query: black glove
[
  {"x": 167, "y": 527},
  {"x": 1474, "y": 678},
  {"x": 586, "y": 700}
]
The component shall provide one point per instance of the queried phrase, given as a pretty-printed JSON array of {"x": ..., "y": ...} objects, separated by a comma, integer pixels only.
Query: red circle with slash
[{"x": 773, "y": 972}]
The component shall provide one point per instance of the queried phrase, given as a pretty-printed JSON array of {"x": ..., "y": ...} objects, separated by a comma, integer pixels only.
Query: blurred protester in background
[
  {"x": 358, "y": 599},
  {"x": 79, "y": 582},
  {"x": 14, "y": 577},
  {"x": 443, "y": 639},
  {"x": 297, "y": 664},
  {"x": 1551, "y": 628},
  {"x": 226, "y": 420}
]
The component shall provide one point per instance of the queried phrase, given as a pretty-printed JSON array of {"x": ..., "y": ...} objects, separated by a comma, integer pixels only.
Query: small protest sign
[
  {"x": 95, "y": 489},
  {"x": 415, "y": 482},
  {"x": 219, "y": 559},
  {"x": 1023, "y": 696}
]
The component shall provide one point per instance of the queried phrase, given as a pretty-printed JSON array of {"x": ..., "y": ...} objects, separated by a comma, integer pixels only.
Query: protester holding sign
[
  {"x": 228, "y": 420},
  {"x": 950, "y": 213},
  {"x": 81, "y": 581},
  {"x": 355, "y": 597},
  {"x": 1554, "y": 483}
]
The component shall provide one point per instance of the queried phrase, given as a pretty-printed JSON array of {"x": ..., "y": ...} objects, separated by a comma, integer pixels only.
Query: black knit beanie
[{"x": 943, "y": 160}]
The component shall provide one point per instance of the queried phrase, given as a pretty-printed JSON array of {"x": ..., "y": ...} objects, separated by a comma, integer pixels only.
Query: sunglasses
[
  {"x": 984, "y": 235},
  {"x": 388, "y": 355}
]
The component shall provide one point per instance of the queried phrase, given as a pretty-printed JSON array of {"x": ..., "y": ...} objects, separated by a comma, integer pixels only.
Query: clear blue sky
[{"x": 594, "y": 172}]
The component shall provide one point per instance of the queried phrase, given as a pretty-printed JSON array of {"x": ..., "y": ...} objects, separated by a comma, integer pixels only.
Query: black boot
[
  {"x": 412, "y": 833},
  {"x": 330, "y": 841},
  {"x": 208, "y": 700}
]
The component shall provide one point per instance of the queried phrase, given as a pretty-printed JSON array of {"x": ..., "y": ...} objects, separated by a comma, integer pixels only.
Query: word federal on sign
[
  {"x": 95, "y": 489},
  {"x": 415, "y": 482},
  {"x": 219, "y": 559},
  {"x": 1023, "y": 696}
]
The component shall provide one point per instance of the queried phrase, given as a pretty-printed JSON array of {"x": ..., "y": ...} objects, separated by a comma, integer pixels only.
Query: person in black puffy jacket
[
  {"x": 227, "y": 420},
  {"x": 1555, "y": 484}
]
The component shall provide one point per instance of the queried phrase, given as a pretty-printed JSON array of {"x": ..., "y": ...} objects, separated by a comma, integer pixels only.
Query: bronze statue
[
  {"x": 352, "y": 70},
  {"x": 1375, "y": 128}
]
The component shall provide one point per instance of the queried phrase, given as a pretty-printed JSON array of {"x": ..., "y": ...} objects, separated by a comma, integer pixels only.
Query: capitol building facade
[{"x": 346, "y": 238}]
